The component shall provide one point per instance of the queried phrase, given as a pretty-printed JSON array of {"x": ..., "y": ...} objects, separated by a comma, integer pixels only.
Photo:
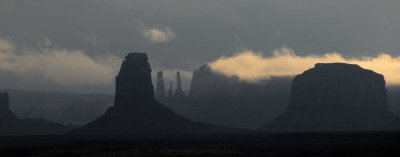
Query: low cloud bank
[
  {"x": 253, "y": 66},
  {"x": 61, "y": 66}
]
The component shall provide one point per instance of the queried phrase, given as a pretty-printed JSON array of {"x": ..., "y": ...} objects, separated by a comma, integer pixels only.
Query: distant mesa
[
  {"x": 336, "y": 97},
  {"x": 135, "y": 110},
  {"x": 11, "y": 125}
]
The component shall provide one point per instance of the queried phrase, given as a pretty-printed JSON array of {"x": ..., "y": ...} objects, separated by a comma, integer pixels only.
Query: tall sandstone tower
[
  {"x": 178, "y": 91},
  {"x": 133, "y": 83},
  {"x": 160, "y": 90}
]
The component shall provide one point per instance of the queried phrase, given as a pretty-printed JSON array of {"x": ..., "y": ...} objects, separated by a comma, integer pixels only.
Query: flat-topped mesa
[
  {"x": 338, "y": 85},
  {"x": 5, "y": 113},
  {"x": 160, "y": 91},
  {"x": 337, "y": 96},
  {"x": 133, "y": 83},
  {"x": 338, "y": 66}
]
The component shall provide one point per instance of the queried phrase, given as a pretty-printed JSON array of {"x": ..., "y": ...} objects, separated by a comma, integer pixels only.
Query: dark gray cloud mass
[{"x": 191, "y": 32}]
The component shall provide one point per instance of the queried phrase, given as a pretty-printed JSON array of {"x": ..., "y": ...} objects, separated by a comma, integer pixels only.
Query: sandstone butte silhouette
[
  {"x": 11, "y": 125},
  {"x": 136, "y": 112},
  {"x": 336, "y": 97}
]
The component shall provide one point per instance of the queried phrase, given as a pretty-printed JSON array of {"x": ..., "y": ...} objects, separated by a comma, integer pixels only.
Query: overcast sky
[{"x": 77, "y": 45}]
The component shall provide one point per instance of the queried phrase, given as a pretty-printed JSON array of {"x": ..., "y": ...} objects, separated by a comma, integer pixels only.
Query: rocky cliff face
[
  {"x": 135, "y": 110},
  {"x": 337, "y": 96}
]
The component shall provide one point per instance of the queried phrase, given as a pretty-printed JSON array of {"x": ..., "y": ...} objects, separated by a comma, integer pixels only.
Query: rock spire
[{"x": 160, "y": 92}]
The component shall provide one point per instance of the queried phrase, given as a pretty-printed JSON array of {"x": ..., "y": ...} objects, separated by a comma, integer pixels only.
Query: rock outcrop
[
  {"x": 135, "y": 110},
  {"x": 6, "y": 115},
  {"x": 335, "y": 97},
  {"x": 160, "y": 90}
]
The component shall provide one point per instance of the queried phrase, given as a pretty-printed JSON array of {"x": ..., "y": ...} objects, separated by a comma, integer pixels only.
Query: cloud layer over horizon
[
  {"x": 253, "y": 66},
  {"x": 60, "y": 66},
  {"x": 68, "y": 67}
]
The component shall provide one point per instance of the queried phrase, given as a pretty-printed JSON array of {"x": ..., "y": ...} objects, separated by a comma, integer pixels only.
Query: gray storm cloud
[
  {"x": 61, "y": 66},
  {"x": 182, "y": 32}
]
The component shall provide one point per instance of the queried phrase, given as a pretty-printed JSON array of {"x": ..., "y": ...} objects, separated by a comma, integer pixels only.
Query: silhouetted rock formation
[
  {"x": 6, "y": 115},
  {"x": 337, "y": 96},
  {"x": 11, "y": 125},
  {"x": 178, "y": 92},
  {"x": 160, "y": 91},
  {"x": 136, "y": 112},
  {"x": 223, "y": 100},
  {"x": 170, "y": 90},
  {"x": 133, "y": 83}
]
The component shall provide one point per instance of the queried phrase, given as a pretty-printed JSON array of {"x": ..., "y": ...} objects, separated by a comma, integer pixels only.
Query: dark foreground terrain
[{"x": 293, "y": 144}]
